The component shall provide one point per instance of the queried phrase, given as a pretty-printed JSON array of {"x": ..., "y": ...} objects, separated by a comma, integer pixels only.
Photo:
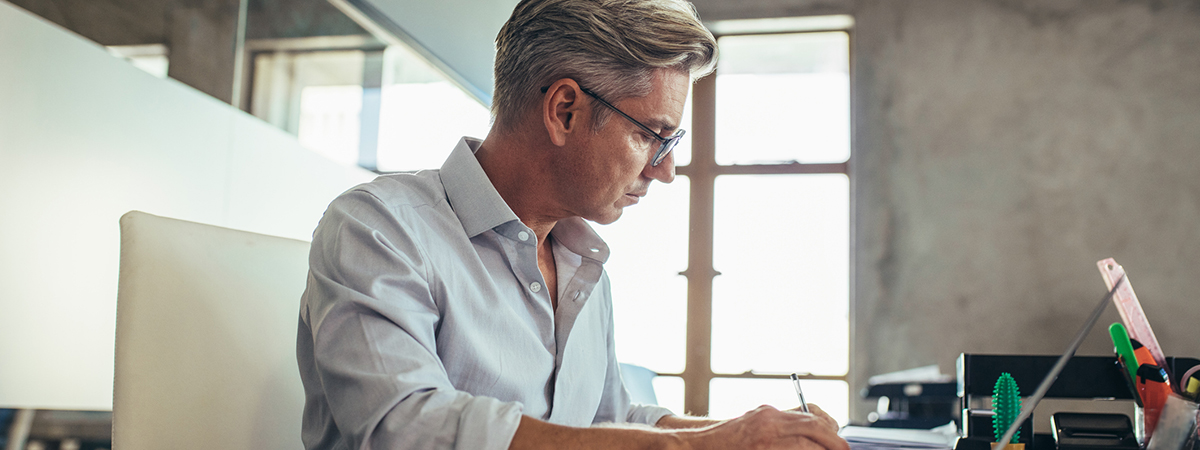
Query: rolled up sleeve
[{"x": 367, "y": 349}]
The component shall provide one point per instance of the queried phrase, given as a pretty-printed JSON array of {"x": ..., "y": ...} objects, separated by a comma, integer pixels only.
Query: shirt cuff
[
  {"x": 647, "y": 414},
  {"x": 488, "y": 424}
]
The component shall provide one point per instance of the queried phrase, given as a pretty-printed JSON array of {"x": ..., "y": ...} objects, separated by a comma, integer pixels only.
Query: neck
[{"x": 516, "y": 164}]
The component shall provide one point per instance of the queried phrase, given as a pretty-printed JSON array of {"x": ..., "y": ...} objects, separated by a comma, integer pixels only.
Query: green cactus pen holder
[{"x": 1006, "y": 405}]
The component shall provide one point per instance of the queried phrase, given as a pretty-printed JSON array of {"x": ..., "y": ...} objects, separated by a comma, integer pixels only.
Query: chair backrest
[
  {"x": 206, "y": 337},
  {"x": 639, "y": 381}
]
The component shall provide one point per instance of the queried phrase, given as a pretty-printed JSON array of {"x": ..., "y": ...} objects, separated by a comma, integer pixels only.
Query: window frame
[{"x": 702, "y": 172}]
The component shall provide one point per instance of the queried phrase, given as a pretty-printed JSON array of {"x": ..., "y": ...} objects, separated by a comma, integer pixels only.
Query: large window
[{"x": 752, "y": 240}]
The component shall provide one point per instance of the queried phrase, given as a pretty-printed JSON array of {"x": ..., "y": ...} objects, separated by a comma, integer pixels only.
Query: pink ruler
[{"x": 1131, "y": 310}]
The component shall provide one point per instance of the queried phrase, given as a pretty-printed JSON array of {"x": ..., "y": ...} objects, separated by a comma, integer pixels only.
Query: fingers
[
  {"x": 821, "y": 414},
  {"x": 822, "y": 431},
  {"x": 815, "y": 428},
  {"x": 803, "y": 443},
  {"x": 768, "y": 428}
]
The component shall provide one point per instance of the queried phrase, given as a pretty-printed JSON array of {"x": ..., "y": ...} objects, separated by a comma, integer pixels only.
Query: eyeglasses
[{"x": 668, "y": 143}]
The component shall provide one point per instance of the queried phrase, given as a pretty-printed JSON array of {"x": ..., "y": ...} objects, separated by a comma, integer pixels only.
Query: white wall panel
[
  {"x": 85, "y": 137},
  {"x": 281, "y": 200}
]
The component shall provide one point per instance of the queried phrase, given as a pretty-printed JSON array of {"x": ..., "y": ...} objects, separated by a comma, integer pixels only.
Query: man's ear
[{"x": 561, "y": 108}]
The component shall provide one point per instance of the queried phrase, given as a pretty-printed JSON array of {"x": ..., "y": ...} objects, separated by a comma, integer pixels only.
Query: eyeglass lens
[{"x": 666, "y": 147}]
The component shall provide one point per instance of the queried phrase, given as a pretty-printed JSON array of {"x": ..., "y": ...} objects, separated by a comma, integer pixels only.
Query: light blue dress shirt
[{"x": 426, "y": 322}]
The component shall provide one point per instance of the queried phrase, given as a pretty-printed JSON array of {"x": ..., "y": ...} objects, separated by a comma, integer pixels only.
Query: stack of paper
[{"x": 868, "y": 438}]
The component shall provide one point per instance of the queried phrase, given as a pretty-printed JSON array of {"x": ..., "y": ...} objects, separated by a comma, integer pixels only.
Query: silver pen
[{"x": 799, "y": 392}]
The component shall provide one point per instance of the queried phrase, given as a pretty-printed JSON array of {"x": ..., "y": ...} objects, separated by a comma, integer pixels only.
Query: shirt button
[
  {"x": 535, "y": 287},
  {"x": 523, "y": 236}
]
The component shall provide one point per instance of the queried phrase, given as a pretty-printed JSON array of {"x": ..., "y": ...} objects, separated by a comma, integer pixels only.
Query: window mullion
[{"x": 700, "y": 272}]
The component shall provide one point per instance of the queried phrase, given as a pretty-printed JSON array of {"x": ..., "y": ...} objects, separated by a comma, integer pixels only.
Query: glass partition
[{"x": 301, "y": 65}]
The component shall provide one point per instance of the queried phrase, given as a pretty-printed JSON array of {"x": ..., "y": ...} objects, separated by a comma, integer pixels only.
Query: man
[{"x": 467, "y": 307}]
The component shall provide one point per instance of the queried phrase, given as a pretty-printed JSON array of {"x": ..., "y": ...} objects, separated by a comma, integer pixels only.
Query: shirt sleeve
[
  {"x": 372, "y": 321},
  {"x": 615, "y": 404}
]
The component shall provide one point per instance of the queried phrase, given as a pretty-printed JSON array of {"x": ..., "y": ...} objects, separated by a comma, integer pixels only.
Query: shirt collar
[
  {"x": 577, "y": 236},
  {"x": 480, "y": 208},
  {"x": 470, "y": 193}
]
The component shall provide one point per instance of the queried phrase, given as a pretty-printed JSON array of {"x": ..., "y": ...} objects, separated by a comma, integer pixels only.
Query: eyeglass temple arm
[{"x": 614, "y": 108}]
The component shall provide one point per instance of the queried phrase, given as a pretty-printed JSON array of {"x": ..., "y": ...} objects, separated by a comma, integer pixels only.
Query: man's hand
[
  {"x": 820, "y": 414},
  {"x": 765, "y": 428},
  {"x": 768, "y": 428}
]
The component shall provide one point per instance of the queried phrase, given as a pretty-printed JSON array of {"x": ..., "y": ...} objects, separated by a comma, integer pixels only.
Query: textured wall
[{"x": 1002, "y": 148}]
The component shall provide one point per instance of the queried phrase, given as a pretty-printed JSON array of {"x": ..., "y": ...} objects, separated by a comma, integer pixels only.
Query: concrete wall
[{"x": 1002, "y": 148}]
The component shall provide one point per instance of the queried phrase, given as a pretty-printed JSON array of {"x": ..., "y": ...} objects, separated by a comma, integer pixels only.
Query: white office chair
[
  {"x": 206, "y": 337},
  {"x": 639, "y": 381}
]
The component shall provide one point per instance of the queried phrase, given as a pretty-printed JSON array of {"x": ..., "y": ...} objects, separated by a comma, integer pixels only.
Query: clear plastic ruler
[{"x": 1131, "y": 310}]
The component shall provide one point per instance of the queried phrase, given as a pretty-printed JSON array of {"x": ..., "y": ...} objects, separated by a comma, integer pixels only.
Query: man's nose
[{"x": 664, "y": 171}]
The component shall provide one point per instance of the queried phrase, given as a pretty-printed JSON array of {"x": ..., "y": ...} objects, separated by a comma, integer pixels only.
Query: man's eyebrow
[{"x": 662, "y": 125}]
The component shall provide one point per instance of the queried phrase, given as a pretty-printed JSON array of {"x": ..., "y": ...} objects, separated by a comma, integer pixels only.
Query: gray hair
[{"x": 612, "y": 47}]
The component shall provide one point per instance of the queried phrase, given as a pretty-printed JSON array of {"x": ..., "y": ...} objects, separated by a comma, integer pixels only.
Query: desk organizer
[{"x": 1083, "y": 377}]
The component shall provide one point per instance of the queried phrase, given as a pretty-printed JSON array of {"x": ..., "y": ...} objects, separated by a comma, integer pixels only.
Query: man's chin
[{"x": 606, "y": 217}]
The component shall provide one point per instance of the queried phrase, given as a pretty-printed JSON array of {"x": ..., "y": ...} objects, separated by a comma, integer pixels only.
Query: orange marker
[
  {"x": 1154, "y": 390},
  {"x": 1154, "y": 386}
]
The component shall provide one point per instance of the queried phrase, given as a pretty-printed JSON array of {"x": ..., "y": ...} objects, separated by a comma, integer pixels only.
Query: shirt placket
[
  {"x": 521, "y": 250},
  {"x": 570, "y": 306}
]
